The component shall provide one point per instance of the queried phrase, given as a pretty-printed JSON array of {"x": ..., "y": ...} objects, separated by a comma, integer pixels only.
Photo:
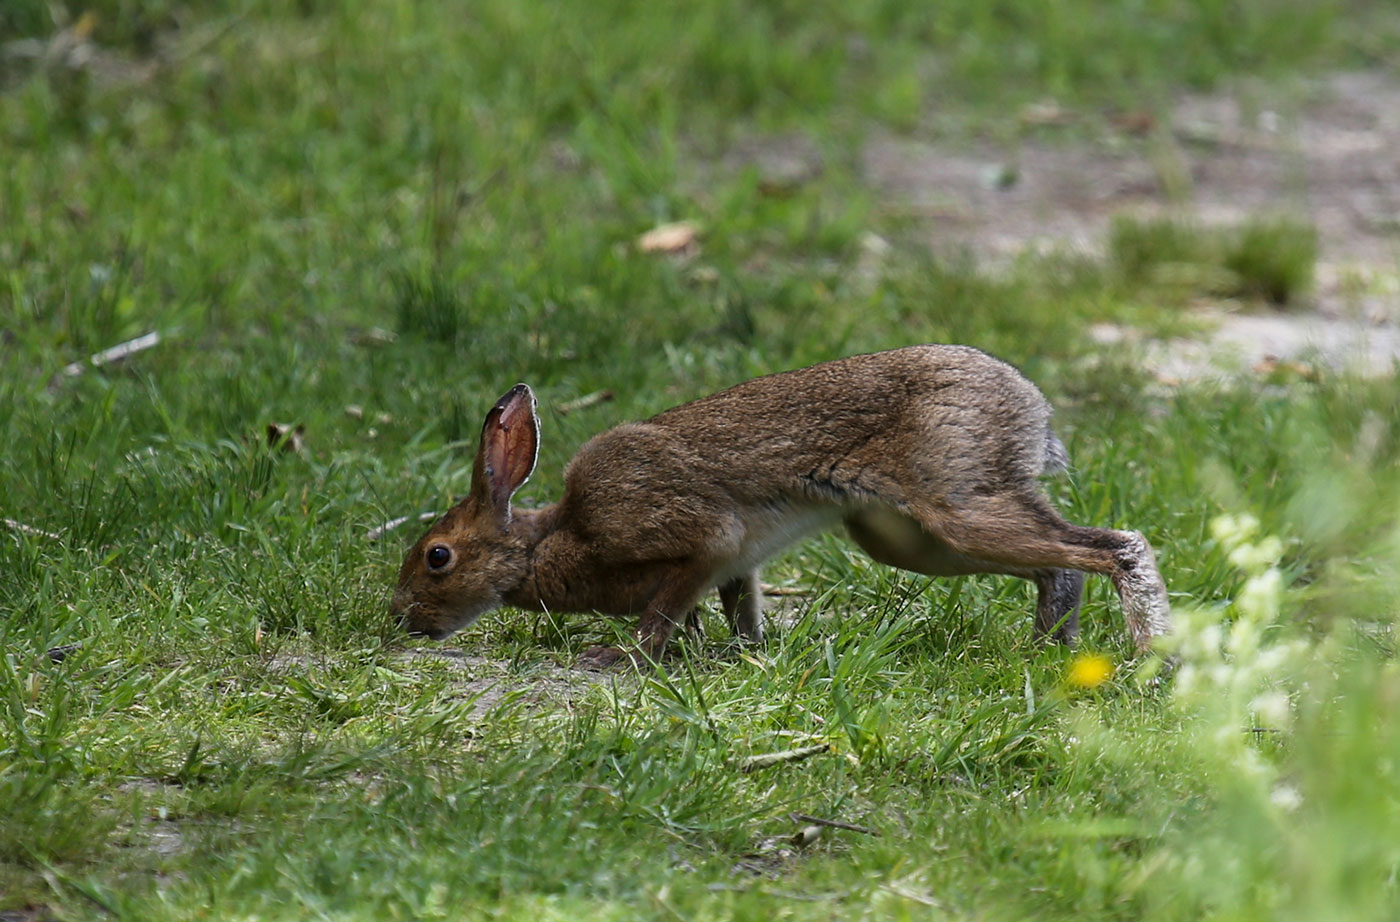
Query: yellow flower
[{"x": 1090, "y": 670}]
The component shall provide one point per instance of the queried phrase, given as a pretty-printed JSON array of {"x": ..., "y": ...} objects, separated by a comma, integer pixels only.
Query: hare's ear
[{"x": 510, "y": 443}]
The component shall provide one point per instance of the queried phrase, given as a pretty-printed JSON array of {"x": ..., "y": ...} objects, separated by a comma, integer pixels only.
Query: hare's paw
[{"x": 598, "y": 659}]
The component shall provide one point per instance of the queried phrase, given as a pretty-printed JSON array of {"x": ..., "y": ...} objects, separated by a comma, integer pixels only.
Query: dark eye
[{"x": 439, "y": 556}]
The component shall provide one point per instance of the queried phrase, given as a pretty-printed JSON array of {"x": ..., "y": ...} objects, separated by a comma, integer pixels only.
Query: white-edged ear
[{"x": 510, "y": 445}]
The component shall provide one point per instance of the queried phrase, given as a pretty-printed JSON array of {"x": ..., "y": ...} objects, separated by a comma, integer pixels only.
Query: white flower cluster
[{"x": 1234, "y": 667}]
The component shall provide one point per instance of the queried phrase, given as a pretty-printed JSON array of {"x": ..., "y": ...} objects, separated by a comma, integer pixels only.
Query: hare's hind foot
[{"x": 1146, "y": 607}]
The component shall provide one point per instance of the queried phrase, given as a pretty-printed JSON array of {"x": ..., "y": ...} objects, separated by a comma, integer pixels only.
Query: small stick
[
  {"x": 780, "y": 894},
  {"x": 30, "y": 530},
  {"x": 584, "y": 402},
  {"x": 59, "y": 654},
  {"x": 115, "y": 354},
  {"x": 776, "y": 591},
  {"x": 374, "y": 534},
  {"x": 834, "y": 824},
  {"x": 754, "y": 763}
]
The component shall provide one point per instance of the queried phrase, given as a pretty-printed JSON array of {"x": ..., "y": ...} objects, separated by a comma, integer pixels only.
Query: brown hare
[{"x": 928, "y": 455}]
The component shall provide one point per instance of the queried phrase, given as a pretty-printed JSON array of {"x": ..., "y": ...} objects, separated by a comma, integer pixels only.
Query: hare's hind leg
[
  {"x": 1021, "y": 529},
  {"x": 742, "y": 601},
  {"x": 1057, "y": 608},
  {"x": 896, "y": 539},
  {"x": 742, "y": 598}
]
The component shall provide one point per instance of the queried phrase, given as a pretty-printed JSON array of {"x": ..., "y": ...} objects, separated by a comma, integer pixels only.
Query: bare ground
[
  {"x": 1327, "y": 153},
  {"x": 487, "y": 681}
]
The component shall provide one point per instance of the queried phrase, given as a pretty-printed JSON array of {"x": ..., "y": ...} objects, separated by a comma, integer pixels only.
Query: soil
[
  {"x": 1327, "y": 153},
  {"x": 488, "y": 681}
]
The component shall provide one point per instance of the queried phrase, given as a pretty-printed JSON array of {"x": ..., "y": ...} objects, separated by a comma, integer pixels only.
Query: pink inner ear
[
  {"x": 510, "y": 452},
  {"x": 510, "y": 413}
]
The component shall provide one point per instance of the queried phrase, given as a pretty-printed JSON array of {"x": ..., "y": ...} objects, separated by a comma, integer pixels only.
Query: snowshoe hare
[{"x": 928, "y": 455}]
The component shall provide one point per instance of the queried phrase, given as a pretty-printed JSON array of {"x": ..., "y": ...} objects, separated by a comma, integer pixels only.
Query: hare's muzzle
[
  {"x": 401, "y": 608},
  {"x": 415, "y": 631},
  {"x": 417, "y": 619}
]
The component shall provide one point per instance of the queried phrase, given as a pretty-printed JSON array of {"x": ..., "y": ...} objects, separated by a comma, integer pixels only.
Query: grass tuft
[
  {"x": 1266, "y": 259},
  {"x": 1274, "y": 260}
]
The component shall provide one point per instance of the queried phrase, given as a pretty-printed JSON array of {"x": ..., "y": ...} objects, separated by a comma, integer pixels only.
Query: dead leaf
[
  {"x": 676, "y": 237},
  {"x": 1138, "y": 123}
]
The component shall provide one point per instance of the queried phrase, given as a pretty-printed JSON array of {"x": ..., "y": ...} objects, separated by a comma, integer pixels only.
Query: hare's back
[
  {"x": 916, "y": 387},
  {"x": 948, "y": 416}
]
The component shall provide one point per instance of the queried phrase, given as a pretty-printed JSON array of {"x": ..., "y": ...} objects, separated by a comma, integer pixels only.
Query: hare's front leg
[
  {"x": 675, "y": 597},
  {"x": 742, "y": 598}
]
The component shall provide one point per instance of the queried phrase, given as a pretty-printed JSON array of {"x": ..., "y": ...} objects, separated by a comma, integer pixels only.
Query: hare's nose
[{"x": 399, "y": 607}]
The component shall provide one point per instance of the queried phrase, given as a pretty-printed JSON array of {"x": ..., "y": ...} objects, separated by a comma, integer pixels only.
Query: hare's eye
[{"x": 439, "y": 556}]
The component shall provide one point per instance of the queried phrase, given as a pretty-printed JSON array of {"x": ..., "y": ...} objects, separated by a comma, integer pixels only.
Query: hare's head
[{"x": 470, "y": 557}]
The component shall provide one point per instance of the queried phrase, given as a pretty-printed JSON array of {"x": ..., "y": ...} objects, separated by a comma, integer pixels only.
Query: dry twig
[
  {"x": 30, "y": 530},
  {"x": 834, "y": 824},
  {"x": 584, "y": 402},
  {"x": 379, "y": 531},
  {"x": 768, "y": 759},
  {"x": 113, "y": 355},
  {"x": 777, "y": 591}
]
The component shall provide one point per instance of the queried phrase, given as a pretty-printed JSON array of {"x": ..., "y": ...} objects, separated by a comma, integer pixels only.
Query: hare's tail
[{"x": 1056, "y": 455}]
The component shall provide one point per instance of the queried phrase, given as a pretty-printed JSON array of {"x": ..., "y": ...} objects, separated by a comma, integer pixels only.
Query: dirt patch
[
  {"x": 1329, "y": 154},
  {"x": 488, "y": 682},
  {"x": 27, "y": 915}
]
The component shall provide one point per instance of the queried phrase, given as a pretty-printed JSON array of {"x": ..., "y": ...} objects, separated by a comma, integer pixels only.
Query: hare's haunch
[{"x": 930, "y": 456}]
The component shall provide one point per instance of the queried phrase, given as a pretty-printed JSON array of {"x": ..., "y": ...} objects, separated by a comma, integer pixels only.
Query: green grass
[
  {"x": 409, "y": 208},
  {"x": 1265, "y": 259}
]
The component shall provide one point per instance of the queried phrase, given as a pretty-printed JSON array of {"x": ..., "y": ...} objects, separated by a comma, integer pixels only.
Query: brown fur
[{"x": 929, "y": 455}]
